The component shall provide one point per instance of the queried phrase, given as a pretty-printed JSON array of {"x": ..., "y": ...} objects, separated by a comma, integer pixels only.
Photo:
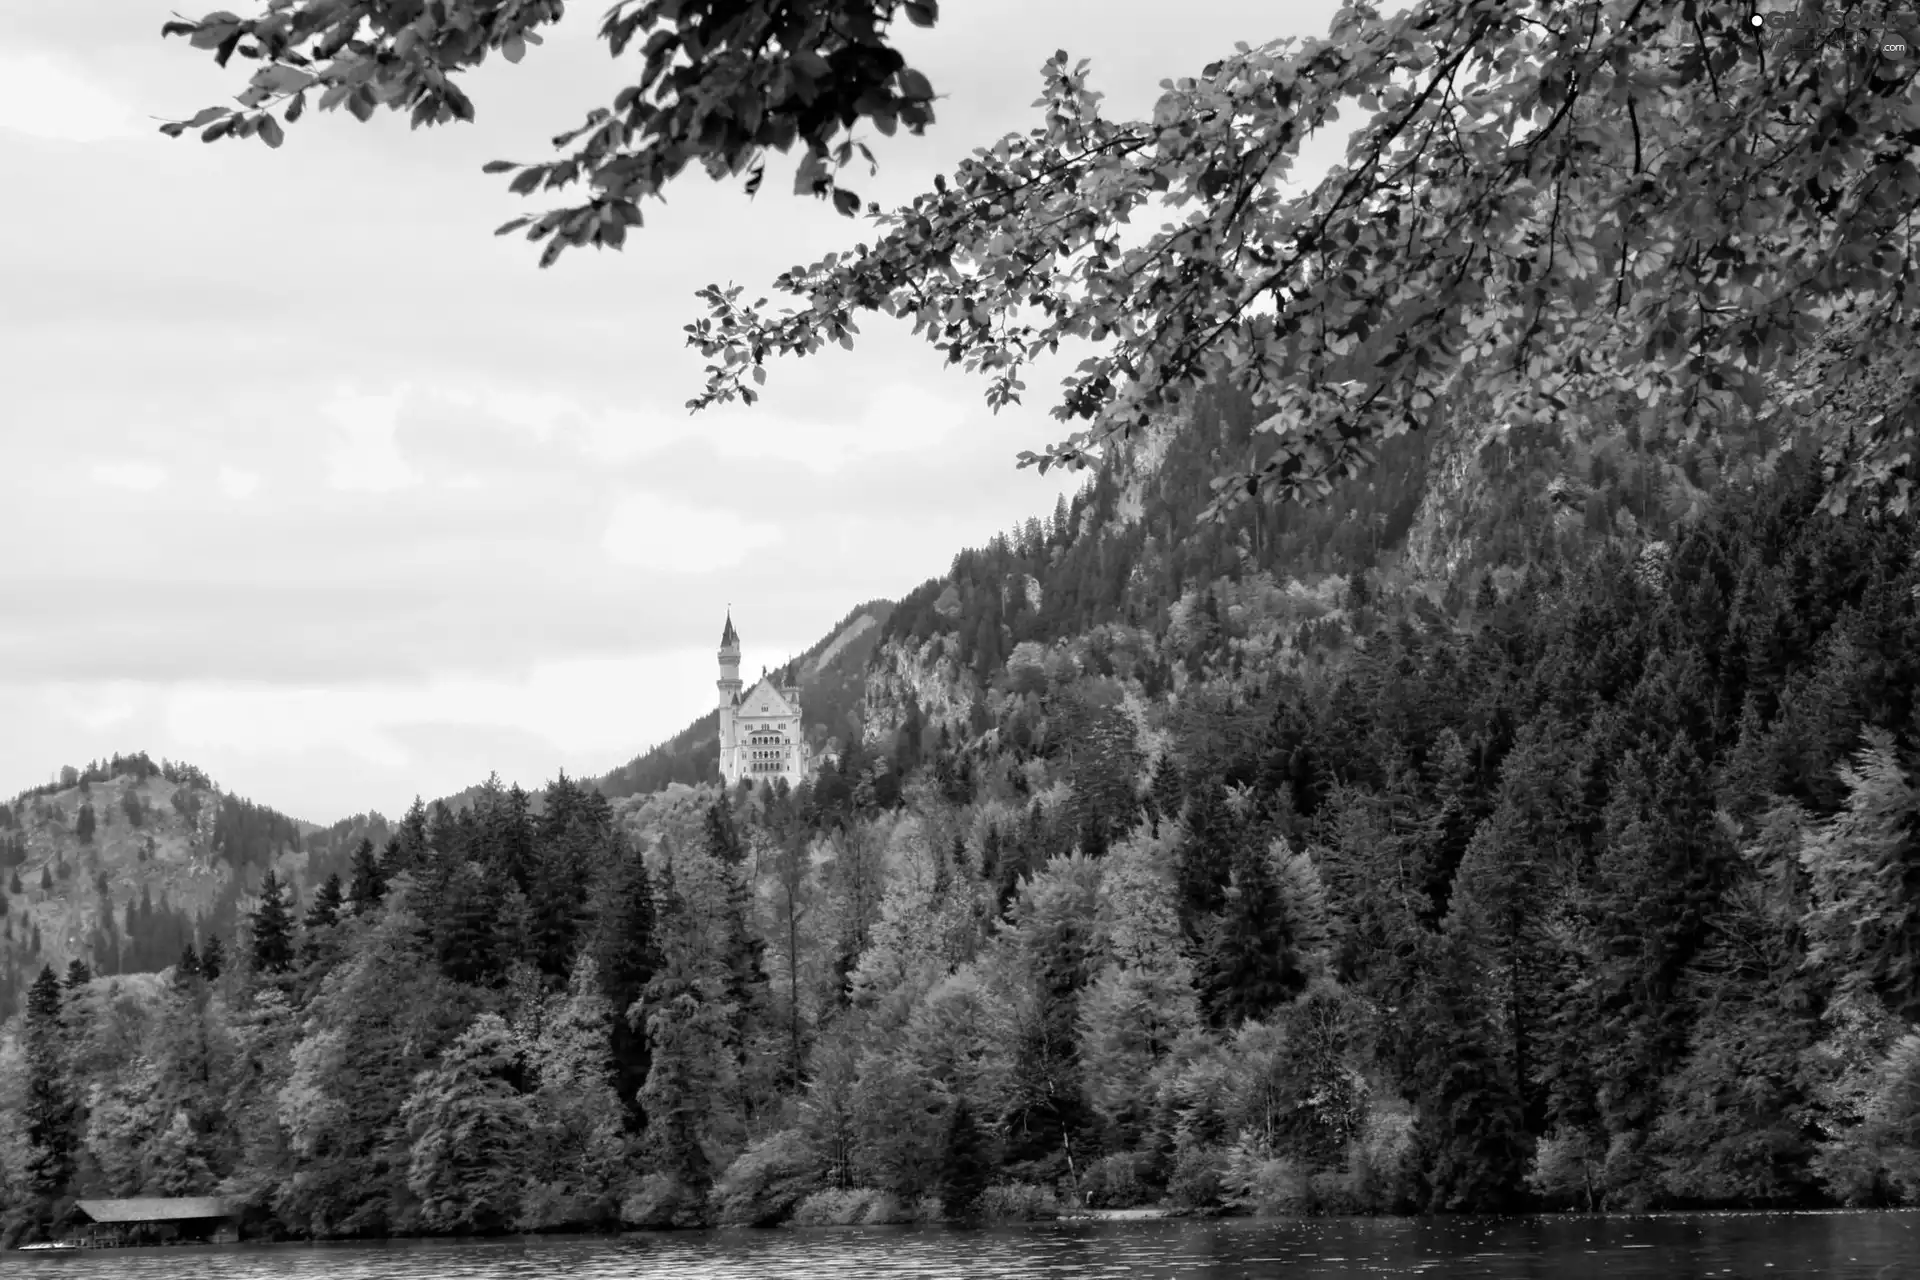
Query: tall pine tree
[
  {"x": 49, "y": 1110},
  {"x": 272, "y": 927},
  {"x": 368, "y": 879}
]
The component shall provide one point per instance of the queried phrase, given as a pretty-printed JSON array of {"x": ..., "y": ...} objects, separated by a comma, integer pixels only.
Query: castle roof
[
  {"x": 729, "y": 638},
  {"x": 766, "y": 699}
]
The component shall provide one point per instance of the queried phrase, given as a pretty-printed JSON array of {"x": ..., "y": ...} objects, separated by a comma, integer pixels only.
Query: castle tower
[{"x": 729, "y": 684}]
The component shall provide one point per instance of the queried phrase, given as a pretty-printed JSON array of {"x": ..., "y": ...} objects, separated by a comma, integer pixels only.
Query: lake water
[{"x": 1835, "y": 1246}]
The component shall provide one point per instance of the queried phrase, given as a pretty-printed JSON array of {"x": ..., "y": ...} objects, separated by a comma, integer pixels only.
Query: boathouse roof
[{"x": 155, "y": 1209}]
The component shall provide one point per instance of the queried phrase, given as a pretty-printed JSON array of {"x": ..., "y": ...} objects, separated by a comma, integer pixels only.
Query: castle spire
[{"x": 729, "y": 638}]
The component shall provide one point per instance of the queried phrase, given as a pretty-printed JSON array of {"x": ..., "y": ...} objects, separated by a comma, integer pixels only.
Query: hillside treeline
[
  {"x": 1592, "y": 887},
  {"x": 106, "y": 839}
]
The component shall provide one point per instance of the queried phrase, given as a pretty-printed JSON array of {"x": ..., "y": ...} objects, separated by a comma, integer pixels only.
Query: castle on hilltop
[{"x": 760, "y": 732}]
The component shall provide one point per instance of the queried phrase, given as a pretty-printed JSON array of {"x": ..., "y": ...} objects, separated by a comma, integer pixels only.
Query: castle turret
[{"x": 729, "y": 684}]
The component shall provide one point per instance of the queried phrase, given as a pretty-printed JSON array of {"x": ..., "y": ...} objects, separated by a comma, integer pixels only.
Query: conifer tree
[
  {"x": 1863, "y": 924},
  {"x": 380, "y": 1020},
  {"x": 1442, "y": 843},
  {"x": 79, "y": 973},
  {"x": 1251, "y": 963},
  {"x": 324, "y": 911},
  {"x": 83, "y": 826},
  {"x": 570, "y": 838},
  {"x": 1287, "y": 764},
  {"x": 213, "y": 958},
  {"x": 1467, "y": 1116},
  {"x": 319, "y": 944},
  {"x": 49, "y": 1108},
  {"x": 723, "y": 838},
  {"x": 369, "y": 881},
  {"x": 743, "y": 951},
  {"x": 990, "y": 852},
  {"x": 626, "y": 955},
  {"x": 504, "y": 834},
  {"x": 1204, "y": 858},
  {"x": 409, "y": 847},
  {"x": 967, "y": 1166},
  {"x": 471, "y": 924},
  {"x": 1659, "y": 874},
  {"x": 272, "y": 927},
  {"x": 689, "y": 1067},
  {"x": 188, "y": 966},
  {"x": 444, "y": 834}
]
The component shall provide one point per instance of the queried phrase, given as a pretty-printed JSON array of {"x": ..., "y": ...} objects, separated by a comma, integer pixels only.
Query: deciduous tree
[{"x": 1472, "y": 246}]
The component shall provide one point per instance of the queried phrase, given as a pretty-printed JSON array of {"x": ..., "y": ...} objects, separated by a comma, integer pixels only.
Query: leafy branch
[
  {"x": 1458, "y": 254},
  {"x": 721, "y": 83}
]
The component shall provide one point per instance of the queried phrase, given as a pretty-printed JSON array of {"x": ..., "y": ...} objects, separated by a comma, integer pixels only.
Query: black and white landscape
[{"x": 1437, "y": 733}]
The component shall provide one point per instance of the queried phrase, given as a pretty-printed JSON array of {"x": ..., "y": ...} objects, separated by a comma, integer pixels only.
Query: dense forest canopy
[{"x": 1582, "y": 879}]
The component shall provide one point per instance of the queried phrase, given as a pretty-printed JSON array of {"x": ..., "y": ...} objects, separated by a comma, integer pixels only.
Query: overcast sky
[{"x": 309, "y": 480}]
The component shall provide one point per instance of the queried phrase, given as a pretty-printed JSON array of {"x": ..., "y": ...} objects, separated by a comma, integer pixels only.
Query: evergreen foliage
[
  {"x": 49, "y": 1111},
  {"x": 213, "y": 958},
  {"x": 369, "y": 879},
  {"x": 271, "y": 926}
]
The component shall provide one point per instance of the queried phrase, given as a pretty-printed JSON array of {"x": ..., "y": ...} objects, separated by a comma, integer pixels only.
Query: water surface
[{"x": 1735, "y": 1246}]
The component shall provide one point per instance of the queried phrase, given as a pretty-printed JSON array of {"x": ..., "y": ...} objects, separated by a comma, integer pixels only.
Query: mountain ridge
[{"x": 1123, "y": 572}]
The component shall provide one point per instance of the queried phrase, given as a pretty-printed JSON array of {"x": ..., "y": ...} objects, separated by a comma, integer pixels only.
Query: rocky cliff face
[
  {"x": 1441, "y": 540},
  {"x": 930, "y": 674}
]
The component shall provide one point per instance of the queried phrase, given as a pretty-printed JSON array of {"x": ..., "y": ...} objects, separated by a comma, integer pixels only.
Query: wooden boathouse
[{"x": 155, "y": 1220}]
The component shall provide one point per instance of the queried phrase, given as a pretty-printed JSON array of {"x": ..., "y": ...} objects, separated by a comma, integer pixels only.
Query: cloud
[
  {"x": 666, "y": 535},
  {"x": 236, "y": 483},
  {"x": 365, "y": 457},
  {"x": 533, "y": 412},
  {"x": 44, "y": 99},
  {"x": 94, "y": 707},
  {"x": 433, "y": 736},
  {"x": 140, "y": 477},
  {"x": 897, "y": 418}
]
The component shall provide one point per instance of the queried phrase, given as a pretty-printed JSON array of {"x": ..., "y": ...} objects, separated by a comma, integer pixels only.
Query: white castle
[{"x": 760, "y": 734}]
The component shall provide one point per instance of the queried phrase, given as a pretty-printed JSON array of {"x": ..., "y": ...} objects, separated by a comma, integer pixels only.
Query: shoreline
[{"x": 1145, "y": 1214}]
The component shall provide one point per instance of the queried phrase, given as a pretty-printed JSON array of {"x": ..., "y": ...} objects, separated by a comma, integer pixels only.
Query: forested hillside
[
  {"x": 120, "y": 863},
  {"x": 1579, "y": 878}
]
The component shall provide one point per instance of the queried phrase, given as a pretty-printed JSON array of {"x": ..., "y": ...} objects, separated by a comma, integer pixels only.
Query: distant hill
[{"x": 122, "y": 862}]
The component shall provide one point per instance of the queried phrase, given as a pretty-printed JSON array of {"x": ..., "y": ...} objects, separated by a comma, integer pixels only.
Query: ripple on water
[{"x": 1858, "y": 1246}]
